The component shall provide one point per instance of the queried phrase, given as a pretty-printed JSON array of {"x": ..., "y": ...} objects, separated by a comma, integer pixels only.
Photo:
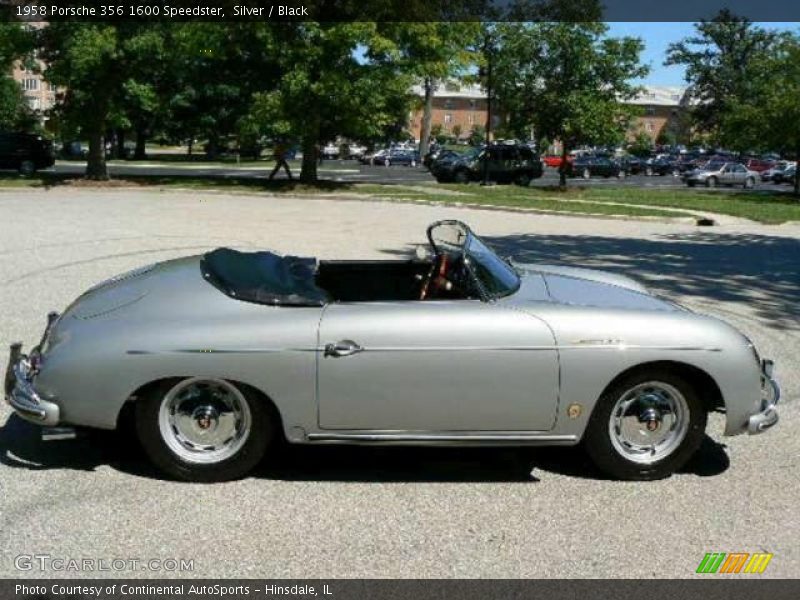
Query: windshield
[{"x": 496, "y": 276}]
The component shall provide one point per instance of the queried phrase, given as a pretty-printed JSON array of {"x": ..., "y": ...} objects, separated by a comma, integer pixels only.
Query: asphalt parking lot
[
  {"x": 353, "y": 172},
  {"x": 395, "y": 512}
]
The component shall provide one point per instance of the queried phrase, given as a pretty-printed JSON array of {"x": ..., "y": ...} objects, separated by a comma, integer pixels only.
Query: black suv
[
  {"x": 25, "y": 152},
  {"x": 586, "y": 166},
  {"x": 505, "y": 163}
]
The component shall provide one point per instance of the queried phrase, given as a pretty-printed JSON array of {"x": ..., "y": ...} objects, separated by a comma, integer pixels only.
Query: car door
[{"x": 461, "y": 365}]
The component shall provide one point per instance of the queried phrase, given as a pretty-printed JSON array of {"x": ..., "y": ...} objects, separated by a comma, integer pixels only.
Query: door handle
[{"x": 342, "y": 348}]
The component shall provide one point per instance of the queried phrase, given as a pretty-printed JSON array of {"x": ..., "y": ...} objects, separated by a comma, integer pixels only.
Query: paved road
[
  {"x": 347, "y": 512},
  {"x": 352, "y": 171}
]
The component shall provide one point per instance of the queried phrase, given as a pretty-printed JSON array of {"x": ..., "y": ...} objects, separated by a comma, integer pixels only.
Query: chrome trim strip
[
  {"x": 522, "y": 437},
  {"x": 579, "y": 346}
]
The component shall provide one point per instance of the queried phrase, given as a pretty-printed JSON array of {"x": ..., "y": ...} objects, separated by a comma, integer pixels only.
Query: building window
[
  {"x": 448, "y": 118},
  {"x": 30, "y": 85},
  {"x": 473, "y": 104},
  {"x": 51, "y": 87},
  {"x": 448, "y": 103},
  {"x": 650, "y": 110}
]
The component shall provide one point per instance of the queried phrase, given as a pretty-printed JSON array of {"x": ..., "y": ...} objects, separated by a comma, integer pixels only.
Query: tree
[
  {"x": 91, "y": 61},
  {"x": 567, "y": 80},
  {"x": 642, "y": 145},
  {"x": 769, "y": 119},
  {"x": 15, "y": 44},
  {"x": 326, "y": 90},
  {"x": 720, "y": 63},
  {"x": 434, "y": 52}
]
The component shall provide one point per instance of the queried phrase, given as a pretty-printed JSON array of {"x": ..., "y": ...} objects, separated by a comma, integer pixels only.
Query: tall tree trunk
[
  {"x": 562, "y": 168},
  {"x": 96, "y": 160},
  {"x": 308, "y": 170},
  {"x": 427, "y": 111},
  {"x": 140, "y": 153}
]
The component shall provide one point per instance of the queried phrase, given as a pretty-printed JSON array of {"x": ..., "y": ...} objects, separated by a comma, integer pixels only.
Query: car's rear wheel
[
  {"x": 27, "y": 168},
  {"x": 461, "y": 176},
  {"x": 523, "y": 179},
  {"x": 711, "y": 182},
  {"x": 749, "y": 183},
  {"x": 203, "y": 429},
  {"x": 646, "y": 427}
]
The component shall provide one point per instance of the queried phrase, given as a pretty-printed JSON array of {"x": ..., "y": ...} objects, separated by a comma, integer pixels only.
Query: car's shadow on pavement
[{"x": 21, "y": 448}]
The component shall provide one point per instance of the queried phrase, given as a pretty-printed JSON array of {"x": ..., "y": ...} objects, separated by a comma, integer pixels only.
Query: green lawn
[{"x": 763, "y": 206}]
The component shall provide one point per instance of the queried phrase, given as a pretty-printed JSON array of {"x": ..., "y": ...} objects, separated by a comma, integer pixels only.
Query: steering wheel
[{"x": 437, "y": 276}]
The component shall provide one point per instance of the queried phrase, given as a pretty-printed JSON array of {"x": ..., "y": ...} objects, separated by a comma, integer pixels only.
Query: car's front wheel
[
  {"x": 202, "y": 429},
  {"x": 646, "y": 427}
]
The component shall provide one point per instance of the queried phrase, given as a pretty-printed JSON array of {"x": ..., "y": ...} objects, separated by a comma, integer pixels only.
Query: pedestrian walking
[{"x": 279, "y": 153}]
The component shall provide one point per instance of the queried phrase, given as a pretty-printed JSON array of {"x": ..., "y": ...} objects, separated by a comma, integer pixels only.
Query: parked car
[
  {"x": 397, "y": 156},
  {"x": 786, "y": 176},
  {"x": 552, "y": 160},
  {"x": 717, "y": 173},
  {"x": 758, "y": 164},
  {"x": 25, "y": 152},
  {"x": 437, "y": 153},
  {"x": 73, "y": 150},
  {"x": 369, "y": 158},
  {"x": 780, "y": 166},
  {"x": 633, "y": 165},
  {"x": 587, "y": 166},
  {"x": 215, "y": 357},
  {"x": 330, "y": 151},
  {"x": 501, "y": 163},
  {"x": 662, "y": 165}
]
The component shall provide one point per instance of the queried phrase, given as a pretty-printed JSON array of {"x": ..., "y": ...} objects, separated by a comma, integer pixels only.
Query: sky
[{"x": 658, "y": 36}]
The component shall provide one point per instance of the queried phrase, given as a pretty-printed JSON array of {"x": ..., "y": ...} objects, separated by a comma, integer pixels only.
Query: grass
[{"x": 763, "y": 206}]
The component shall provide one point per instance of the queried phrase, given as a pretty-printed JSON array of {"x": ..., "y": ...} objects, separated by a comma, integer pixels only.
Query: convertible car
[{"x": 215, "y": 357}]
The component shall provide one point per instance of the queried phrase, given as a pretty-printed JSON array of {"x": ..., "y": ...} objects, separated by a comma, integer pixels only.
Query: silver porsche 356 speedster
[{"x": 218, "y": 356}]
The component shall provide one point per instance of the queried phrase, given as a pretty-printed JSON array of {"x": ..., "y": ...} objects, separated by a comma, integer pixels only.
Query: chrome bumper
[
  {"x": 770, "y": 396},
  {"x": 21, "y": 395}
]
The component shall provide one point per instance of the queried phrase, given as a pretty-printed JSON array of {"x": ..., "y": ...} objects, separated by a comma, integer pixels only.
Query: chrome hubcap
[
  {"x": 649, "y": 422},
  {"x": 204, "y": 420}
]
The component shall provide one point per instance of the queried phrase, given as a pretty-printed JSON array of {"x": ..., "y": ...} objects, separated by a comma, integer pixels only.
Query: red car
[
  {"x": 758, "y": 165},
  {"x": 554, "y": 160}
]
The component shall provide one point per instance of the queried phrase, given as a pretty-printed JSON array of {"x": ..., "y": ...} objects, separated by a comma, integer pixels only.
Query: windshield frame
[{"x": 470, "y": 250}]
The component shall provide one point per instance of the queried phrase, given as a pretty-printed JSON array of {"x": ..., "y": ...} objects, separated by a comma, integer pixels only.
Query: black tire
[
  {"x": 262, "y": 433},
  {"x": 523, "y": 179},
  {"x": 691, "y": 183},
  {"x": 461, "y": 176},
  {"x": 597, "y": 439},
  {"x": 27, "y": 168}
]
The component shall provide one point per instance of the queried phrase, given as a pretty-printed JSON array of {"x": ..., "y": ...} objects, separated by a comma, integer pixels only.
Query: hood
[{"x": 584, "y": 287}]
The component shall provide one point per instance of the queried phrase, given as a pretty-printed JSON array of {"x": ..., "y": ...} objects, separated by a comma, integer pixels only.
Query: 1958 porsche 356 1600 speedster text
[{"x": 219, "y": 355}]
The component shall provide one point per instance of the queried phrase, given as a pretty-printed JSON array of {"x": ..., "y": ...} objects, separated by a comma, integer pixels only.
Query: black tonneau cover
[{"x": 264, "y": 277}]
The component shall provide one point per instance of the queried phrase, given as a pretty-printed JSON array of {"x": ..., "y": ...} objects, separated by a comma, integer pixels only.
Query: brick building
[
  {"x": 40, "y": 94},
  {"x": 662, "y": 109}
]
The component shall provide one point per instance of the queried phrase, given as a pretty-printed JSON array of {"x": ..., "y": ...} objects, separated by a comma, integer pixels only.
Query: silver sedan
[{"x": 721, "y": 173}]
